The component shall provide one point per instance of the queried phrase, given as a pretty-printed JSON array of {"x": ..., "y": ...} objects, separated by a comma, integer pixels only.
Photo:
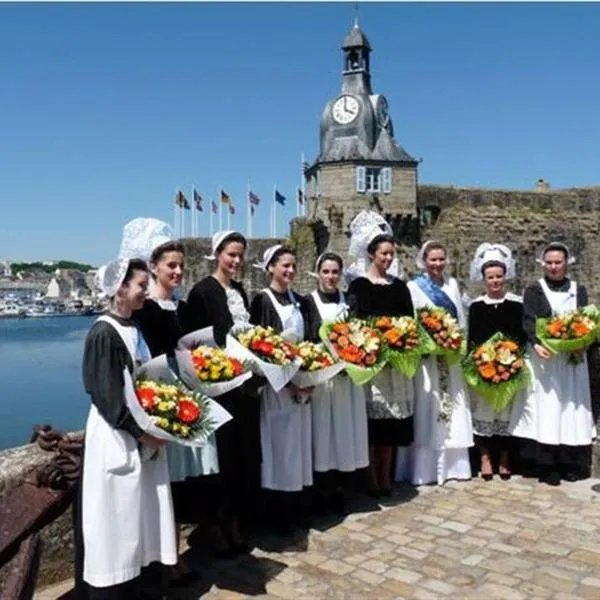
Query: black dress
[
  {"x": 389, "y": 409},
  {"x": 238, "y": 441},
  {"x": 487, "y": 317},
  {"x": 162, "y": 328}
]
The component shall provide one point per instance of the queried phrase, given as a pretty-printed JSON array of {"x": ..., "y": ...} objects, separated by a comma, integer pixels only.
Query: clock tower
[{"x": 360, "y": 165}]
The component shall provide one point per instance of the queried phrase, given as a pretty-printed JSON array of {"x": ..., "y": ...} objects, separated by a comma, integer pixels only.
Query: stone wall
[{"x": 524, "y": 221}]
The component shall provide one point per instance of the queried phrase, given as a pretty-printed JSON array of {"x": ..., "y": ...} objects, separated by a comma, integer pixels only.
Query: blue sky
[{"x": 106, "y": 109}]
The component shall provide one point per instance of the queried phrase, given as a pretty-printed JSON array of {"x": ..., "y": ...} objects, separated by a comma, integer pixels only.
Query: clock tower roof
[
  {"x": 356, "y": 125},
  {"x": 356, "y": 39}
]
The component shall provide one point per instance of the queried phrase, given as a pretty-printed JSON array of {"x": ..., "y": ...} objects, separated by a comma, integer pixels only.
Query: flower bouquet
[
  {"x": 267, "y": 353},
  {"x": 356, "y": 343},
  {"x": 318, "y": 366},
  {"x": 496, "y": 370},
  {"x": 164, "y": 408},
  {"x": 401, "y": 338},
  {"x": 440, "y": 334},
  {"x": 569, "y": 332}
]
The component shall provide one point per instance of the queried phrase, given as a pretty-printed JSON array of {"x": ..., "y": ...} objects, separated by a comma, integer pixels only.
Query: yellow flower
[
  {"x": 203, "y": 376},
  {"x": 176, "y": 427},
  {"x": 164, "y": 424},
  {"x": 163, "y": 406},
  {"x": 185, "y": 431}
]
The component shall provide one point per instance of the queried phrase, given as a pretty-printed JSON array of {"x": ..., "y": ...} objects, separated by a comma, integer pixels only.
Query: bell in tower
[{"x": 356, "y": 48}]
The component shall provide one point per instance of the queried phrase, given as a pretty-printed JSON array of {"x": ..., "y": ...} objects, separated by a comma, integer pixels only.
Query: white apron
[
  {"x": 127, "y": 510},
  {"x": 558, "y": 409},
  {"x": 339, "y": 414},
  {"x": 440, "y": 450},
  {"x": 285, "y": 425}
]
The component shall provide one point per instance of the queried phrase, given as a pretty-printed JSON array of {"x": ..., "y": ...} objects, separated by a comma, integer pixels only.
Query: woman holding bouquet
[
  {"x": 443, "y": 429},
  {"x": 557, "y": 414},
  {"x": 496, "y": 311},
  {"x": 339, "y": 416},
  {"x": 124, "y": 517},
  {"x": 160, "y": 321},
  {"x": 285, "y": 416},
  {"x": 390, "y": 394},
  {"x": 220, "y": 302}
]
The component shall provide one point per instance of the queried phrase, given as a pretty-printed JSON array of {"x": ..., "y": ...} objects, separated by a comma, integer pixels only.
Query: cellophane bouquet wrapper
[
  {"x": 158, "y": 370},
  {"x": 187, "y": 371}
]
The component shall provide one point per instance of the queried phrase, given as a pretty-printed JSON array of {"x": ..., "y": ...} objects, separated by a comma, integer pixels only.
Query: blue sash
[{"x": 435, "y": 293}]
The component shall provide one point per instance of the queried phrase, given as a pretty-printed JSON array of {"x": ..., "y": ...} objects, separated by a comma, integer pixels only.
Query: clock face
[
  {"x": 345, "y": 109},
  {"x": 382, "y": 111}
]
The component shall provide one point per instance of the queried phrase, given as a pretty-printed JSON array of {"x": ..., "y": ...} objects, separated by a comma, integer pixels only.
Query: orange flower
[
  {"x": 509, "y": 345},
  {"x": 580, "y": 329},
  {"x": 392, "y": 336},
  {"x": 351, "y": 354},
  {"x": 555, "y": 327},
  {"x": 487, "y": 370},
  {"x": 383, "y": 323},
  {"x": 188, "y": 412},
  {"x": 341, "y": 328}
]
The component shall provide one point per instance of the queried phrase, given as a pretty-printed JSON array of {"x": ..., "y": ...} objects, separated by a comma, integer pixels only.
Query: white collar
[{"x": 508, "y": 296}]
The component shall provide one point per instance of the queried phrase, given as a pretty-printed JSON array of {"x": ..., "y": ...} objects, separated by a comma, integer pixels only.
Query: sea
[{"x": 40, "y": 376}]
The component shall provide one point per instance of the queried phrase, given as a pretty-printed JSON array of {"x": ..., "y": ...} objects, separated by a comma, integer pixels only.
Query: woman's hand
[
  {"x": 151, "y": 441},
  {"x": 541, "y": 351}
]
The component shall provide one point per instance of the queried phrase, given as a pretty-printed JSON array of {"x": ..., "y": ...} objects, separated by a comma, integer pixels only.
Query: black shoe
[
  {"x": 338, "y": 504},
  {"x": 571, "y": 476},
  {"x": 386, "y": 492},
  {"x": 487, "y": 476},
  {"x": 505, "y": 476},
  {"x": 551, "y": 478}
]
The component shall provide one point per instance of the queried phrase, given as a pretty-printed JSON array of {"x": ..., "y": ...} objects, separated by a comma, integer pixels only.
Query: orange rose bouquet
[
  {"x": 267, "y": 353},
  {"x": 569, "y": 332},
  {"x": 496, "y": 370},
  {"x": 401, "y": 338},
  {"x": 440, "y": 334},
  {"x": 165, "y": 408},
  {"x": 318, "y": 366},
  {"x": 356, "y": 343}
]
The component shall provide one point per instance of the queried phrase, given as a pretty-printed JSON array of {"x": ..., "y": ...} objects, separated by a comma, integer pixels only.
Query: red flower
[
  {"x": 263, "y": 347},
  {"x": 188, "y": 412},
  {"x": 237, "y": 366},
  {"x": 146, "y": 398},
  {"x": 199, "y": 361}
]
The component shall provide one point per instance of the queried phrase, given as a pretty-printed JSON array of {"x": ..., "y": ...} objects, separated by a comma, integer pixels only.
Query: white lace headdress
[
  {"x": 267, "y": 257},
  {"x": 556, "y": 246},
  {"x": 492, "y": 253},
  {"x": 217, "y": 240},
  {"x": 141, "y": 237},
  {"x": 420, "y": 260}
]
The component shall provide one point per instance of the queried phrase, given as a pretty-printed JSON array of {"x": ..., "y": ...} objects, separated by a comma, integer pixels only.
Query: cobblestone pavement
[{"x": 511, "y": 540}]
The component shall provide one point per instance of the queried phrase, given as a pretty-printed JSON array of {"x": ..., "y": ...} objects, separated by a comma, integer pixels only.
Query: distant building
[
  {"x": 542, "y": 186},
  {"x": 58, "y": 288},
  {"x": 5, "y": 270}
]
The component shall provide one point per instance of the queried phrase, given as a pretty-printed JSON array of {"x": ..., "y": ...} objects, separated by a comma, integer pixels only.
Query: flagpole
[
  {"x": 220, "y": 201},
  {"x": 229, "y": 216},
  {"x": 175, "y": 218},
  {"x": 273, "y": 226},
  {"x": 248, "y": 215},
  {"x": 303, "y": 211},
  {"x": 211, "y": 217}
]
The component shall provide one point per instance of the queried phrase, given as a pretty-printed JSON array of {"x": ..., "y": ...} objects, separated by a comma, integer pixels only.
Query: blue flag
[{"x": 279, "y": 198}]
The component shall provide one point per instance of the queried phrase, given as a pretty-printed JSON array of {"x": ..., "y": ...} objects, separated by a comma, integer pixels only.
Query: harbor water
[{"x": 40, "y": 375}]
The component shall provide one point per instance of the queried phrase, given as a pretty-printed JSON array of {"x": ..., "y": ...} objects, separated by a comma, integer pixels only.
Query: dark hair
[
  {"x": 157, "y": 253},
  {"x": 135, "y": 264},
  {"x": 556, "y": 247},
  {"x": 434, "y": 246},
  {"x": 279, "y": 253},
  {"x": 492, "y": 263},
  {"x": 330, "y": 256},
  {"x": 377, "y": 241},
  {"x": 232, "y": 237}
]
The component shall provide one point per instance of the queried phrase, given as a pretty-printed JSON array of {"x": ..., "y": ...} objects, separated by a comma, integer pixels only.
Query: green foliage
[{"x": 38, "y": 267}]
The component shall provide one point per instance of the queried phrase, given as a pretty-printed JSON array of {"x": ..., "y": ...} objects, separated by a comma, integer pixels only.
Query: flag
[
  {"x": 231, "y": 209},
  {"x": 279, "y": 198},
  {"x": 252, "y": 210},
  {"x": 305, "y": 166},
  {"x": 225, "y": 199},
  {"x": 182, "y": 201},
  {"x": 253, "y": 198},
  {"x": 214, "y": 207},
  {"x": 198, "y": 200},
  {"x": 300, "y": 196}
]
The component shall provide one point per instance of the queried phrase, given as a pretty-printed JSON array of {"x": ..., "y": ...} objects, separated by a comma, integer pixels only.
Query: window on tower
[{"x": 372, "y": 180}]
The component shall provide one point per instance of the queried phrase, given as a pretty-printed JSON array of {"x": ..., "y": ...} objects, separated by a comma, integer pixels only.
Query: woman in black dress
[
  {"x": 160, "y": 321},
  {"x": 221, "y": 302},
  {"x": 390, "y": 394},
  {"x": 285, "y": 416},
  {"x": 495, "y": 311}
]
